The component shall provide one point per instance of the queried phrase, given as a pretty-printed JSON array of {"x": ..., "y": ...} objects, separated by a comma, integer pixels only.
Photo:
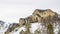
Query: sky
[{"x": 13, "y": 10}]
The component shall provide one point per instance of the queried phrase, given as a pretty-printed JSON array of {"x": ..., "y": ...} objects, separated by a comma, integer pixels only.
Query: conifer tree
[
  {"x": 22, "y": 32},
  {"x": 37, "y": 31},
  {"x": 50, "y": 29}
]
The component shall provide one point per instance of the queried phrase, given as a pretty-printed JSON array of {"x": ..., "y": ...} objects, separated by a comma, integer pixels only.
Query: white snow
[{"x": 34, "y": 26}]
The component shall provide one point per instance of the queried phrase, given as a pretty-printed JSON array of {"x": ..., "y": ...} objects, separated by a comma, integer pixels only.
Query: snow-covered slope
[{"x": 34, "y": 26}]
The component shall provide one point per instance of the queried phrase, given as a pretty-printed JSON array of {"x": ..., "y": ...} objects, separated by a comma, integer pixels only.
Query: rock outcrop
[
  {"x": 40, "y": 16},
  {"x": 12, "y": 27}
]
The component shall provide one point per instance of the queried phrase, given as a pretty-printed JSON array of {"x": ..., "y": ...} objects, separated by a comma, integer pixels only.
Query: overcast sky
[{"x": 12, "y": 10}]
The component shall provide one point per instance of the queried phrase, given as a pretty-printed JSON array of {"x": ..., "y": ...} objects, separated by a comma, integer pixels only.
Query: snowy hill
[{"x": 34, "y": 26}]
